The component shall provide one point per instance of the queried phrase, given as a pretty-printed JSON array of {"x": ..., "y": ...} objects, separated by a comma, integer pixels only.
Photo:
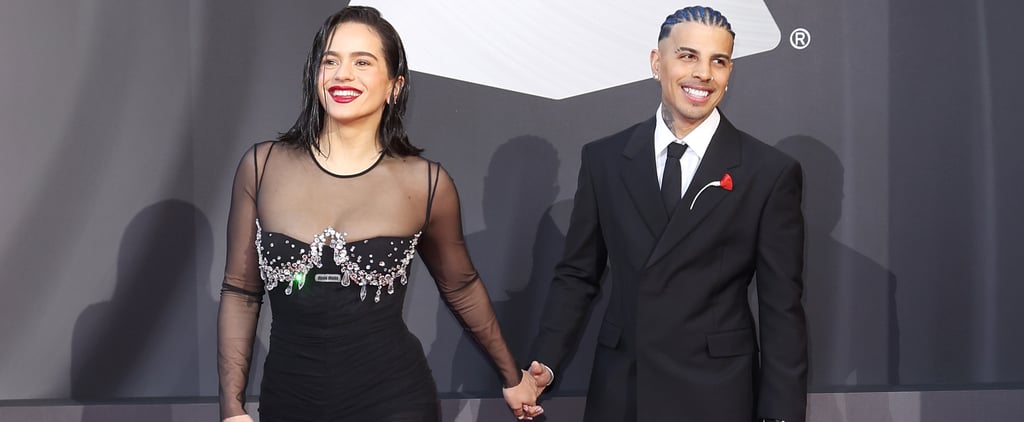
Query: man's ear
[{"x": 655, "y": 63}]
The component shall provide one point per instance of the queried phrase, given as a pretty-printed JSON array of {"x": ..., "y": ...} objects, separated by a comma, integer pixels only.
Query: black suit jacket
[{"x": 678, "y": 340}]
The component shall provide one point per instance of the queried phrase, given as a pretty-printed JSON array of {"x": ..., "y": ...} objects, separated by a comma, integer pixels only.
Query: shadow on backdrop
[
  {"x": 515, "y": 256},
  {"x": 512, "y": 254},
  {"x": 849, "y": 298},
  {"x": 143, "y": 343}
]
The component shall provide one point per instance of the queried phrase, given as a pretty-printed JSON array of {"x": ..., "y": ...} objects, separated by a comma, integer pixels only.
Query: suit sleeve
[
  {"x": 577, "y": 276},
  {"x": 780, "y": 251}
]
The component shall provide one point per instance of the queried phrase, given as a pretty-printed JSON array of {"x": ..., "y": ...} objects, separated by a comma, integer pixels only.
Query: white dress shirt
[{"x": 696, "y": 142}]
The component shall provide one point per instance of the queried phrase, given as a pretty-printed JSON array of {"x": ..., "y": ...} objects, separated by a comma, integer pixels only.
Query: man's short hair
[{"x": 700, "y": 14}]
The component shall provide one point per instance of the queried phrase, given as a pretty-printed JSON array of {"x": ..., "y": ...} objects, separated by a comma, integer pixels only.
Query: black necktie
[{"x": 672, "y": 178}]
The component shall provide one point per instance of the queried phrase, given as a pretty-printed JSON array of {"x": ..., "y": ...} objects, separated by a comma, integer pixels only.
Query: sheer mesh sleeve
[
  {"x": 443, "y": 250},
  {"x": 242, "y": 292}
]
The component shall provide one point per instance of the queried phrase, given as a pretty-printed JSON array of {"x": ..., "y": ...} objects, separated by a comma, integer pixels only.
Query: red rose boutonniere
[{"x": 725, "y": 183}]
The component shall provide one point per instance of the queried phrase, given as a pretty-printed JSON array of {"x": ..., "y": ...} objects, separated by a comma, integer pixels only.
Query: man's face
[{"x": 693, "y": 64}]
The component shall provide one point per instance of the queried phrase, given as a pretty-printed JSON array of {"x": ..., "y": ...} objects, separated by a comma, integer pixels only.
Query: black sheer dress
[{"x": 333, "y": 253}]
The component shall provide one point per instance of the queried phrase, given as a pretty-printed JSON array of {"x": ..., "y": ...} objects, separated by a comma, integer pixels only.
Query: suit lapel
[
  {"x": 641, "y": 179},
  {"x": 723, "y": 154}
]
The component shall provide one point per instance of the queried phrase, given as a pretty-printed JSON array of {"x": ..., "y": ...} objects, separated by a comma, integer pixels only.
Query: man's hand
[{"x": 542, "y": 375}]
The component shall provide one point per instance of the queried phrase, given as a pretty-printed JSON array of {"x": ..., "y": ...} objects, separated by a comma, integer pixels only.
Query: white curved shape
[{"x": 553, "y": 49}]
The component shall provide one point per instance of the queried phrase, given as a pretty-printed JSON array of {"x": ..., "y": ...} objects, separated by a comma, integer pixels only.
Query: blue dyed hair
[{"x": 700, "y": 14}]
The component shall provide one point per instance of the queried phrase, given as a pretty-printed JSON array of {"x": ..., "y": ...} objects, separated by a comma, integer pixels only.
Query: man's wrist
[{"x": 550, "y": 373}]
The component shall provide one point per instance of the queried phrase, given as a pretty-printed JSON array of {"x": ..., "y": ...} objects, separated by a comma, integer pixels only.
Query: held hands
[{"x": 522, "y": 399}]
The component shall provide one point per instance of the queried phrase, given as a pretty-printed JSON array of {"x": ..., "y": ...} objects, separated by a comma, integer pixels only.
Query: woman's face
[{"x": 354, "y": 84}]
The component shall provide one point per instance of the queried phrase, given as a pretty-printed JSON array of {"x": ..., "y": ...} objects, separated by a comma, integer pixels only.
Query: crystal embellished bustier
[{"x": 288, "y": 261}]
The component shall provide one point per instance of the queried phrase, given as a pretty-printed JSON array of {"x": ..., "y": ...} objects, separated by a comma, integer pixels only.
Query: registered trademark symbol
[{"x": 800, "y": 38}]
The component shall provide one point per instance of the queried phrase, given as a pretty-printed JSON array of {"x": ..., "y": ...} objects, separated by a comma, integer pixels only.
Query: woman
[{"x": 326, "y": 220}]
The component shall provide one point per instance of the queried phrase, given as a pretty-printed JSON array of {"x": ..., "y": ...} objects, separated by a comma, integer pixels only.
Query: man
[{"x": 685, "y": 209}]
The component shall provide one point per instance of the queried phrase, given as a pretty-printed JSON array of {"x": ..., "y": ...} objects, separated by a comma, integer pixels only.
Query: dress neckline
[
  {"x": 351, "y": 242},
  {"x": 380, "y": 157}
]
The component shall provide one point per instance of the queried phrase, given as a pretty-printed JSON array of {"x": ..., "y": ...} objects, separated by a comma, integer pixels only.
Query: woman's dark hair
[{"x": 391, "y": 133}]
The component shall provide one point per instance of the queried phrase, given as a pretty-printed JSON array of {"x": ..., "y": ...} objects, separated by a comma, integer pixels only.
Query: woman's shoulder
[
  {"x": 265, "y": 148},
  {"x": 421, "y": 171},
  {"x": 263, "y": 151},
  {"x": 413, "y": 163},
  {"x": 258, "y": 149},
  {"x": 258, "y": 155}
]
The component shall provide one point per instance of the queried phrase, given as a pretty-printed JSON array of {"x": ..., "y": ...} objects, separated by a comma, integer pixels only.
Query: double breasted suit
[{"x": 678, "y": 341}]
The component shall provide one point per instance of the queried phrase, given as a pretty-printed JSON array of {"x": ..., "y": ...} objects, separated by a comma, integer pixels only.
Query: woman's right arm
[{"x": 242, "y": 292}]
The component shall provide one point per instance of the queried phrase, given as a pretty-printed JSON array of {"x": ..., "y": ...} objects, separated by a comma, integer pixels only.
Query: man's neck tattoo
[{"x": 666, "y": 116}]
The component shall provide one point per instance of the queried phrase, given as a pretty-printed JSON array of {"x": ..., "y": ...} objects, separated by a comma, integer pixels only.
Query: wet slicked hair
[
  {"x": 391, "y": 132},
  {"x": 700, "y": 14}
]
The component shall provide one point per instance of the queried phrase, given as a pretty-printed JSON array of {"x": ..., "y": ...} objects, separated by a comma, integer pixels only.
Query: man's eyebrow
[{"x": 694, "y": 51}]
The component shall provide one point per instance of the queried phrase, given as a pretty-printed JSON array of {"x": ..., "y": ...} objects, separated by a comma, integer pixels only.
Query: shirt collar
[{"x": 697, "y": 140}]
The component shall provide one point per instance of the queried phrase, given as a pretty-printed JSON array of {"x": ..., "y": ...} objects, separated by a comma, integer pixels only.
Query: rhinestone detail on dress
[{"x": 293, "y": 274}]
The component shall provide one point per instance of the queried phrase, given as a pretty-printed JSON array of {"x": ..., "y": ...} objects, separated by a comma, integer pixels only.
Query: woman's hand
[{"x": 522, "y": 399}]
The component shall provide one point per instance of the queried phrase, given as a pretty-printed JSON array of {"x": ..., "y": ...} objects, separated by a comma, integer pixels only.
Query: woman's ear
[{"x": 396, "y": 89}]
